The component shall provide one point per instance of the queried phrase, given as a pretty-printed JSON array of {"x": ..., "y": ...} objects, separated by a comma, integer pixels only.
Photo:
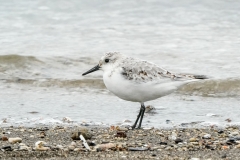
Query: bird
[{"x": 137, "y": 80}]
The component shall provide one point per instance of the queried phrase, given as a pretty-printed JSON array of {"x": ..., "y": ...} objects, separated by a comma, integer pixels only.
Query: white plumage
[{"x": 136, "y": 80}]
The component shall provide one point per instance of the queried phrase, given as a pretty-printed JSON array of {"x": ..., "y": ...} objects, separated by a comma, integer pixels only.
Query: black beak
[{"x": 97, "y": 67}]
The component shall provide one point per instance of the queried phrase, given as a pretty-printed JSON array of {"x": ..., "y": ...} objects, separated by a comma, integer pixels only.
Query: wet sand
[{"x": 120, "y": 143}]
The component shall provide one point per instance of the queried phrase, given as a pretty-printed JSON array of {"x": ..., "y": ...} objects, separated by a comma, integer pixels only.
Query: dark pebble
[
  {"x": 178, "y": 140},
  {"x": 7, "y": 148},
  {"x": 138, "y": 149},
  {"x": 220, "y": 131},
  {"x": 91, "y": 143},
  {"x": 121, "y": 134},
  {"x": 224, "y": 156},
  {"x": 43, "y": 129},
  {"x": 154, "y": 155},
  {"x": 163, "y": 143}
]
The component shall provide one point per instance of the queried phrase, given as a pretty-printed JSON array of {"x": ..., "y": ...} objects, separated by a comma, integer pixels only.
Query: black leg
[{"x": 142, "y": 114}]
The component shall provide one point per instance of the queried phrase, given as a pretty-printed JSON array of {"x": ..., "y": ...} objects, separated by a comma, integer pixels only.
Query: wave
[
  {"x": 65, "y": 72},
  {"x": 209, "y": 88},
  {"x": 215, "y": 88},
  {"x": 81, "y": 83},
  {"x": 17, "y": 60}
]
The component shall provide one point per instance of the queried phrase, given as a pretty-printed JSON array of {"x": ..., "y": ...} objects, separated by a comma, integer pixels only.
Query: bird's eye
[{"x": 106, "y": 60}]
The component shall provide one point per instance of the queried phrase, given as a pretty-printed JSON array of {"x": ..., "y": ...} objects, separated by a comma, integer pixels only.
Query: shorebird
[{"x": 137, "y": 80}]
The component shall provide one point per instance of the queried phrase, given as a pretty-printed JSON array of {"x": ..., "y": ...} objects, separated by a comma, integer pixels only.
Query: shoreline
[{"x": 62, "y": 142}]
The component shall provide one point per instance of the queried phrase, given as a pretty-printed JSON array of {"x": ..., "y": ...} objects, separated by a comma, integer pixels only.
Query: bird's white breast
[{"x": 131, "y": 90}]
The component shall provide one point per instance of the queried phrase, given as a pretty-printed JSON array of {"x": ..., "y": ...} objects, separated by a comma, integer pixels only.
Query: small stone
[
  {"x": 43, "y": 129},
  {"x": 206, "y": 136},
  {"x": 22, "y": 130},
  {"x": 42, "y": 134},
  {"x": 138, "y": 149},
  {"x": 178, "y": 140},
  {"x": 150, "y": 109},
  {"x": 231, "y": 141},
  {"x": 71, "y": 148},
  {"x": 40, "y": 146},
  {"x": 238, "y": 146},
  {"x": 160, "y": 134},
  {"x": 15, "y": 140},
  {"x": 77, "y": 149},
  {"x": 194, "y": 143},
  {"x": 67, "y": 120},
  {"x": 121, "y": 134},
  {"x": 82, "y": 131},
  {"x": 220, "y": 131},
  {"x": 4, "y": 138},
  {"x": 234, "y": 133},
  {"x": 120, "y": 128},
  {"x": 24, "y": 148},
  {"x": 225, "y": 147},
  {"x": 173, "y": 136},
  {"x": 7, "y": 148},
  {"x": 59, "y": 147},
  {"x": 224, "y": 156},
  {"x": 193, "y": 140},
  {"x": 103, "y": 147},
  {"x": 163, "y": 143},
  {"x": 73, "y": 143},
  {"x": 91, "y": 143}
]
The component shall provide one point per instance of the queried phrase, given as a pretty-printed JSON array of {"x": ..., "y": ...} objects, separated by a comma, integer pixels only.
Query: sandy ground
[{"x": 119, "y": 143}]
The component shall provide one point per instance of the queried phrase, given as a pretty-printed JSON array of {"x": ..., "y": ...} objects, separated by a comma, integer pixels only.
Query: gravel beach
[{"x": 61, "y": 142}]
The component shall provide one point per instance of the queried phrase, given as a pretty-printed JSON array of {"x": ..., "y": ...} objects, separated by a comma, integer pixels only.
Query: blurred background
[{"x": 45, "y": 46}]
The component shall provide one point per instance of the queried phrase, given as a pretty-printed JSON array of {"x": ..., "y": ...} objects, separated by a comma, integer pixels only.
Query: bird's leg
[{"x": 142, "y": 114}]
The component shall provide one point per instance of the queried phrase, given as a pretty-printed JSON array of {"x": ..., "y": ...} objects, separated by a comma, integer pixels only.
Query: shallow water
[{"x": 46, "y": 46}]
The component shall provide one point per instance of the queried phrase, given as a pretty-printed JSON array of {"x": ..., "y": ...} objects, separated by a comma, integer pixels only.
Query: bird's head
[{"x": 106, "y": 62}]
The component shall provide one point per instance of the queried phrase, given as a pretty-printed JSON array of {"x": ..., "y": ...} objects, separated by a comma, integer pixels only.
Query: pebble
[
  {"x": 225, "y": 147},
  {"x": 59, "y": 147},
  {"x": 163, "y": 143},
  {"x": 121, "y": 134},
  {"x": 15, "y": 140},
  {"x": 7, "y": 148},
  {"x": 24, "y": 147},
  {"x": 238, "y": 146},
  {"x": 42, "y": 134},
  {"x": 178, "y": 140},
  {"x": 193, "y": 140},
  {"x": 40, "y": 146},
  {"x": 206, "y": 136},
  {"x": 160, "y": 134},
  {"x": 81, "y": 131},
  {"x": 173, "y": 136},
  {"x": 103, "y": 147},
  {"x": 4, "y": 138},
  {"x": 77, "y": 149},
  {"x": 234, "y": 133},
  {"x": 67, "y": 120},
  {"x": 71, "y": 148}
]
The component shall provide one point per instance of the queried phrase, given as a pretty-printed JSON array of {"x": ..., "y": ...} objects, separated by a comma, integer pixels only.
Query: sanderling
[{"x": 137, "y": 80}]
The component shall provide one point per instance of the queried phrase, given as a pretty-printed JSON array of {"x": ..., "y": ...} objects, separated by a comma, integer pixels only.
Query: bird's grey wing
[{"x": 143, "y": 71}]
